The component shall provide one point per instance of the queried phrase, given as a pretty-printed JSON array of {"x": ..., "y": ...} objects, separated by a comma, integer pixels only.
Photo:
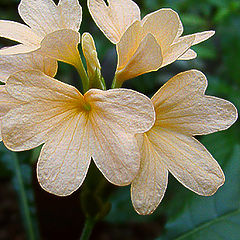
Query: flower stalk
[
  {"x": 116, "y": 84},
  {"x": 83, "y": 74},
  {"x": 23, "y": 198},
  {"x": 87, "y": 230}
]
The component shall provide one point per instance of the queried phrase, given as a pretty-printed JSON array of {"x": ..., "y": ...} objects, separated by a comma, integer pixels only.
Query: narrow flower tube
[
  {"x": 182, "y": 111},
  {"x": 75, "y": 127}
]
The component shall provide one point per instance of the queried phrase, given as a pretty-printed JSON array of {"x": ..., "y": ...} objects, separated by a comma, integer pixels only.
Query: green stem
[
  {"x": 83, "y": 74},
  {"x": 23, "y": 198},
  {"x": 116, "y": 84},
  {"x": 87, "y": 230}
]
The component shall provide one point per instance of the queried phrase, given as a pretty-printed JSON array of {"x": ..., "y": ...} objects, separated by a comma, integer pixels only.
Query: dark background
[{"x": 181, "y": 211}]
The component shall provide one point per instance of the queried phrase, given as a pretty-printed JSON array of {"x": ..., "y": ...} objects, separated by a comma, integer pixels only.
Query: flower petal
[
  {"x": 18, "y": 49},
  {"x": 129, "y": 43},
  {"x": 188, "y": 55},
  {"x": 188, "y": 160},
  {"x": 32, "y": 124},
  {"x": 71, "y": 14},
  {"x": 10, "y": 64},
  {"x": 132, "y": 111},
  {"x": 147, "y": 58},
  {"x": 199, "y": 37},
  {"x": 64, "y": 160},
  {"x": 6, "y": 104},
  {"x": 19, "y": 32},
  {"x": 114, "y": 19},
  {"x": 148, "y": 188},
  {"x": 31, "y": 85},
  {"x": 48, "y": 103},
  {"x": 182, "y": 106},
  {"x": 44, "y": 17},
  {"x": 62, "y": 45},
  {"x": 176, "y": 50},
  {"x": 6, "y": 101},
  {"x": 117, "y": 115},
  {"x": 163, "y": 25}
]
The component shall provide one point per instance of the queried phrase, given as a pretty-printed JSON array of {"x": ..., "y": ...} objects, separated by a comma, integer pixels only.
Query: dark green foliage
[
  {"x": 187, "y": 216},
  {"x": 216, "y": 217}
]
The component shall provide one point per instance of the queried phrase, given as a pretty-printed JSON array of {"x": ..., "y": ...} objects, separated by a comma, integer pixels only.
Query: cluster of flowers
[{"x": 132, "y": 139}]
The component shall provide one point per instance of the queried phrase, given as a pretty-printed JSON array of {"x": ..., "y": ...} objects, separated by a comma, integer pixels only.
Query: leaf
[
  {"x": 212, "y": 218},
  {"x": 20, "y": 171}
]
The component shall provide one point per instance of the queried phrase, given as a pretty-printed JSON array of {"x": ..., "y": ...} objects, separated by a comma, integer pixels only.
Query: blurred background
[{"x": 27, "y": 212}]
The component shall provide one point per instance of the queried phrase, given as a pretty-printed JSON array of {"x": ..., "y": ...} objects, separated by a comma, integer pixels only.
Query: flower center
[{"x": 87, "y": 107}]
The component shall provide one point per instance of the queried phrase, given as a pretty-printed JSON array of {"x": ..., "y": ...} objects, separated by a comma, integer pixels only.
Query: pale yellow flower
[
  {"x": 75, "y": 127},
  {"x": 45, "y": 20},
  {"x": 143, "y": 45},
  {"x": 182, "y": 111}
]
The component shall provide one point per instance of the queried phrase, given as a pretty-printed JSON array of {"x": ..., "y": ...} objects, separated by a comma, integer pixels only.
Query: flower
[
  {"x": 75, "y": 127},
  {"x": 46, "y": 21},
  {"x": 182, "y": 111},
  {"x": 143, "y": 45}
]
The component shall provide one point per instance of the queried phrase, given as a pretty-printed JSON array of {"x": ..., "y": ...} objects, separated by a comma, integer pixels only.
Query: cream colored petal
[
  {"x": 48, "y": 104},
  {"x": 18, "y": 49},
  {"x": 70, "y": 14},
  {"x": 10, "y": 64},
  {"x": 6, "y": 104},
  {"x": 90, "y": 54},
  {"x": 199, "y": 37},
  {"x": 180, "y": 28},
  {"x": 147, "y": 58},
  {"x": 148, "y": 188},
  {"x": 19, "y": 32},
  {"x": 188, "y": 161},
  {"x": 164, "y": 25},
  {"x": 31, "y": 85},
  {"x": 182, "y": 106},
  {"x": 62, "y": 45},
  {"x": 117, "y": 115},
  {"x": 31, "y": 124},
  {"x": 114, "y": 19},
  {"x": 129, "y": 43},
  {"x": 6, "y": 101},
  {"x": 0, "y": 130},
  {"x": 65, "y": 158},
  {"x": 129, "y": 109},
  {"x": 115, "y": 152},
  {"x": 176, "y": 50},
  {"x": 45, "y": 17},
  {"x": 188, "y": 55}
]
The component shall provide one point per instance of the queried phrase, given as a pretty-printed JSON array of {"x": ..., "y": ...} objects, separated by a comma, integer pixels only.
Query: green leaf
[
  {"x": 211, "y": 218},
  {"x": 20, "y": 172}
]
